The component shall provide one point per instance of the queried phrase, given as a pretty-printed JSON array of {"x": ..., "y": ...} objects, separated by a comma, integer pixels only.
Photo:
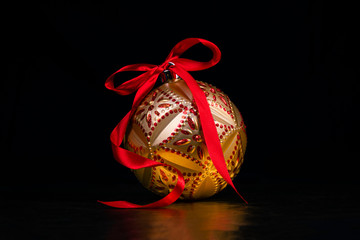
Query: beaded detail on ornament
[{"x": 166, "y": 128}]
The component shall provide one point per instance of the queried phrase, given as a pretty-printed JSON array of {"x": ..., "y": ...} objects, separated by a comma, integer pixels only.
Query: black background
[{"x": 291, "y": 67}]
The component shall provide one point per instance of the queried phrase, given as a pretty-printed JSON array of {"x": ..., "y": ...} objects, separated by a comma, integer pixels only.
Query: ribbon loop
[
  {"x": 143, "y": 84},
  {"x": 190, "y": 65}
]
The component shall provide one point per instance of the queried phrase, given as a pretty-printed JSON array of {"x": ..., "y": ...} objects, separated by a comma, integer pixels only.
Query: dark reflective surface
[
  {"x": 199, "y": 220},
  {"x": 292, "y": 211}
]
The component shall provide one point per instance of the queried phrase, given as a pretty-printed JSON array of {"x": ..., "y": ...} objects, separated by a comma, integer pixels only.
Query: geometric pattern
[{"x": 166, "y": 128}]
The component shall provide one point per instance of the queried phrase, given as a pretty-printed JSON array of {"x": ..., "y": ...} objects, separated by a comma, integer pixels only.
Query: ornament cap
[{"x": 167, "y": 76}]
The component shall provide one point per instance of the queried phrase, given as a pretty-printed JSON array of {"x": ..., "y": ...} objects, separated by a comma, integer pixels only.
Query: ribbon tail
[
  {"x": 167, "y": 200},
  {"x": 209, "y": 128},
  {"x": 135, "y": 161}
]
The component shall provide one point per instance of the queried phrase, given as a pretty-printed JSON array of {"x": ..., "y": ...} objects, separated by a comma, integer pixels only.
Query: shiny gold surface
[{"x": 166, "y": 128}]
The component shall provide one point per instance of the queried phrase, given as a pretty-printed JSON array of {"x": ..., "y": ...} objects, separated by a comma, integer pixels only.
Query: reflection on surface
[{"x": 197, "y": 220}]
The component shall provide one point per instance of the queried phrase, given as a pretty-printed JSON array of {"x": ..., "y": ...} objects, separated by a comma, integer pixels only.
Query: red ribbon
[{"x": 143, "y": 85}]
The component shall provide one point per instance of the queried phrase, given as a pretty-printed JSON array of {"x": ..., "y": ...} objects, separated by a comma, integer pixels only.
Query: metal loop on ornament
[
  {"x": 167, "y": 75},
  {"x": 171, "y": 64}
]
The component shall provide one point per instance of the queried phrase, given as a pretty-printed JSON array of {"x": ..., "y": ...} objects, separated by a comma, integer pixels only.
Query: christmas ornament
[
  {"x": 166, "y": 129},
  {"x": 185, "y": 139}
]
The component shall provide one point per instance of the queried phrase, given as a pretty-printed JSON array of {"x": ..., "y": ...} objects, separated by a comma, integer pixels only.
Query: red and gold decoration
[
  {"x": 184, "y": 139},
  {"x": 166, "y": 128}
]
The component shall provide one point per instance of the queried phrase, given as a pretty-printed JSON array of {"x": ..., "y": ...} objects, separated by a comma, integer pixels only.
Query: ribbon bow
[{"x": 143, "y": 85}]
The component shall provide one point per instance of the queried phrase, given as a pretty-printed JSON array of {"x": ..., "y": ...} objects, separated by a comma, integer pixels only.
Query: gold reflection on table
[{"x": 197, "y": 220}]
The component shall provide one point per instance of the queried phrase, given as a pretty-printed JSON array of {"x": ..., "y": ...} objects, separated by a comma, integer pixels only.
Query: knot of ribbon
[{"x": 143, "y": 84}]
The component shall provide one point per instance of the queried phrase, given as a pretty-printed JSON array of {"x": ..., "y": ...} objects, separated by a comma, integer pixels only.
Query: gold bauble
[{"x": 166, "y": 128}]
